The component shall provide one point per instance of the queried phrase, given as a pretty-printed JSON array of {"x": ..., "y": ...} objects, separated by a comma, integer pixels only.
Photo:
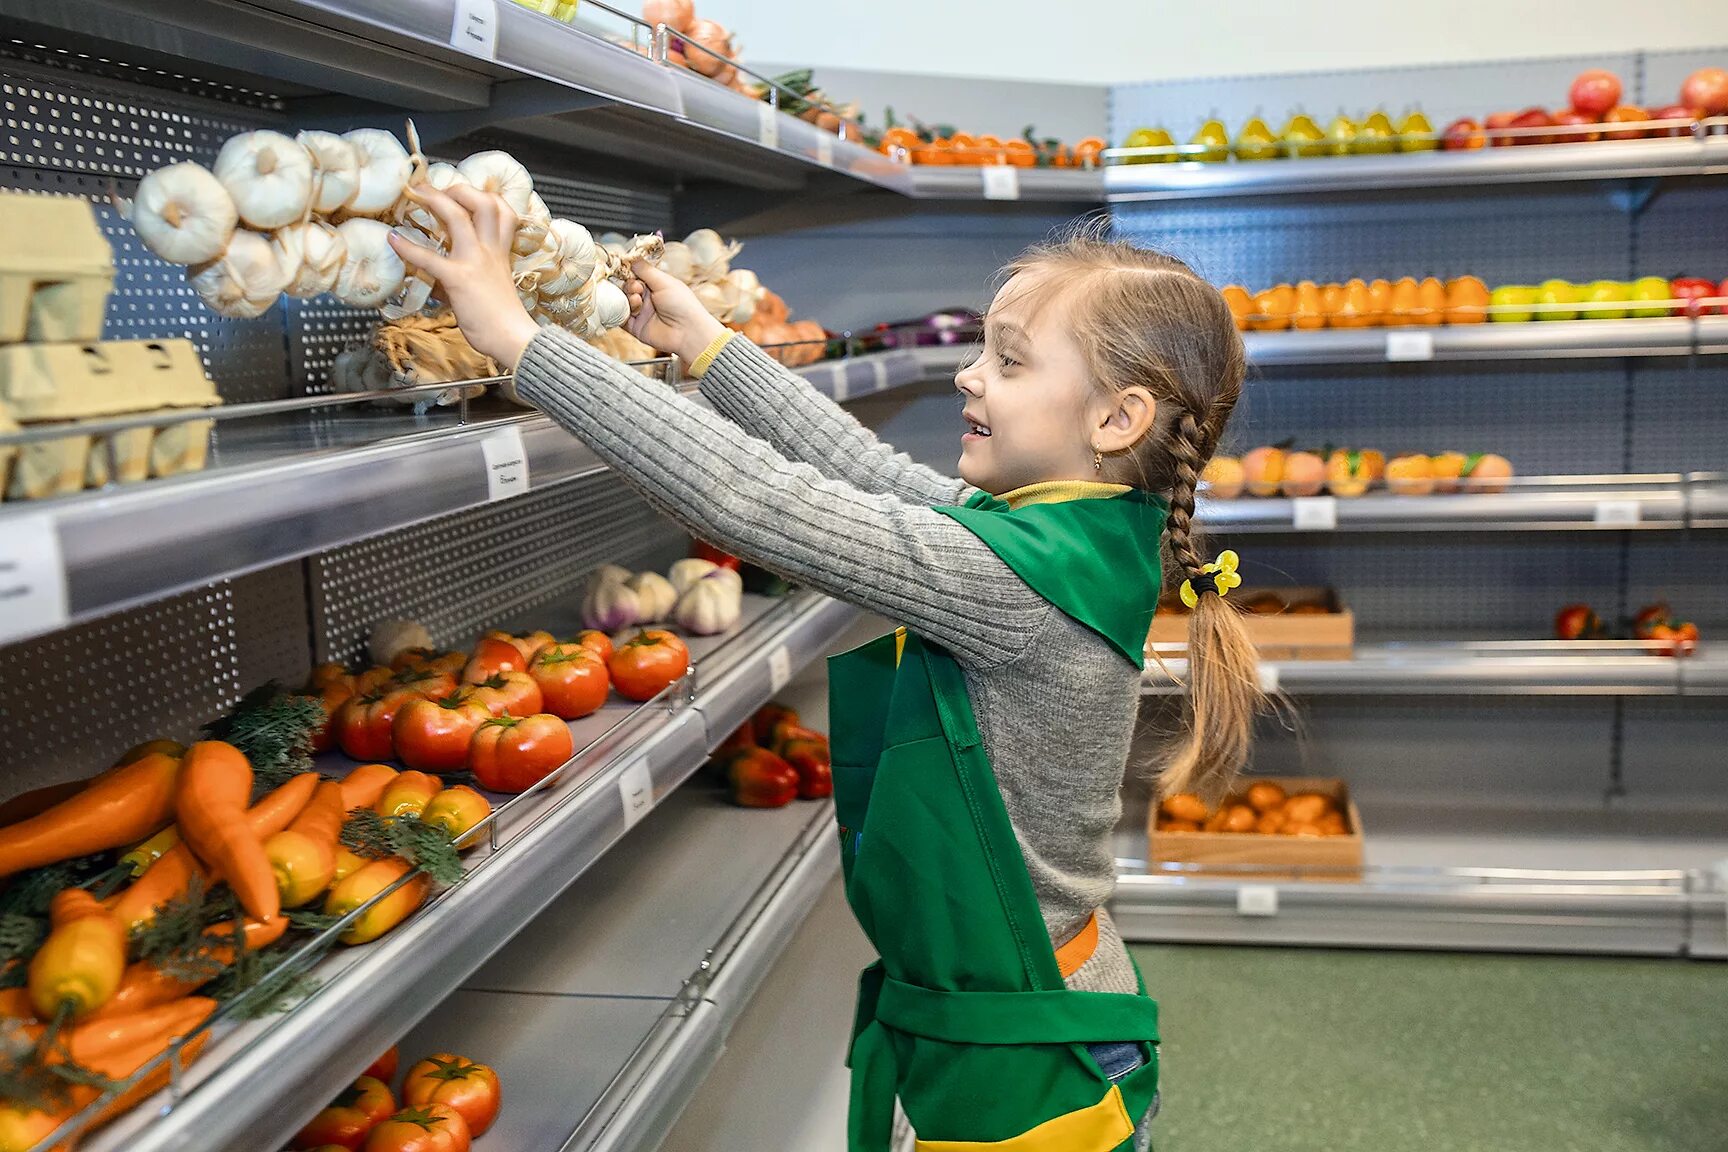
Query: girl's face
[{"x": 1029, "y": 397}]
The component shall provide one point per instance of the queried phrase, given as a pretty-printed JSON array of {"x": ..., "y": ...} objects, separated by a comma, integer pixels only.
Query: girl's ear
[{"x": 1126, "y": 419}]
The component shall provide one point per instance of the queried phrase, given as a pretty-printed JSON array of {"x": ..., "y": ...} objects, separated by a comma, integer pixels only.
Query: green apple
[
  {"x": 1650, "y": 288},
  {"x": 1602, "y": 293},
  {"x": 1557, "y": 292},
  {"x": 1512, "y": 294}
]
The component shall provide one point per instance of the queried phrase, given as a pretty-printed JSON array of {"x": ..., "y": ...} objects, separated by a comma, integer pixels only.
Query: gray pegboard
[
  {"x": 487, "y": 568},
  {"x": 1679, "y": 422},
  {"x": 1687, "y": 572}
]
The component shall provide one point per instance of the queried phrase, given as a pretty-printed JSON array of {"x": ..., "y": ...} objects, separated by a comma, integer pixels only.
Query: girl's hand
[
  {"x": 474, "y": 277},
  {"x": 666, "y": 315}
]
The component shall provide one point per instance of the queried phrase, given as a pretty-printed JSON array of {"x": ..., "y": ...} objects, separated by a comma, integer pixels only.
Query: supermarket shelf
[
  {"x": 1483, "y": 668},
  {"x": 283, "y": 486},
  {"x": 1071, "y": 185},
  {"x": 1602, "y": 160},
  {"x": 1588, "y": 881},
  {"x": 1554, "y": 503},
  {"x": 546, "y": 840},
  {"x": 1567, "y": 339}
]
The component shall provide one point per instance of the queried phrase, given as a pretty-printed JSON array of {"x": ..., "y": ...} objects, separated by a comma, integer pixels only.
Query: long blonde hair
[{"x": 1141, "y": 317}]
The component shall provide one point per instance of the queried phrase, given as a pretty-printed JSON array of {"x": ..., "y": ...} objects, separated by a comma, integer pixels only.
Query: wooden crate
[
  {"x": 1329, "y": 635},
  {"x": 1337, "y": 858}
]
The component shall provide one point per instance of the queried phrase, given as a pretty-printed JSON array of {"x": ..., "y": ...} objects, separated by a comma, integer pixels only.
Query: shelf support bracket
[
  {"x": 1633, "y": 196},
  {"x": 511, "y": 100}
]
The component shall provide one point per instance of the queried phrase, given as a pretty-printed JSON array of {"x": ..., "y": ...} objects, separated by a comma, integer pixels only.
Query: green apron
[{"x": 965, "y": 1017}]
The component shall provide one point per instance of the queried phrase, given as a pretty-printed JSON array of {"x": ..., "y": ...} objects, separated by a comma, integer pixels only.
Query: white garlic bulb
[
  {"x": 384, "y": 170},
  {"x": 676, "y": 261},
  {"x": 503, "y": 174},
  {"x": 183, "y": 214},
  {"x": 335, "y": 170},
  {"x": 315, "y": 250},
  {"x": 245, "y": 280},
  {"x": 720, "y": 298},
  {"x": 371, "y": 271},
  {"x": 573, "y": 260},
  {"x": 441, "y": 176},
  {"x": 532, "y": 226},
  {"x": 537, "y": 263},
  {"x": 611, "y": 306},
  {"x": 269, "y": 176},
  {"x": 747, "y": 289},
  {"x": 710, "y": 256}
]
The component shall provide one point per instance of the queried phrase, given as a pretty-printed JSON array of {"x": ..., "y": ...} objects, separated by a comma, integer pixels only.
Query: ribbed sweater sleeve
[
  {"x": 898, "y": 559},
  {"x": 771, "y": 401}
]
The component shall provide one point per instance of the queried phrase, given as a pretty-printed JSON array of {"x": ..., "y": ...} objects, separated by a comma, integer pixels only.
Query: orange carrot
[
  {"x": 145, "y": 985},
  {"x": 362, "y": 787},
  {"x": 118, "y": 809},
  {"x": 211, "y": 809},
  {"x": 15, "y": 1004},
  {"x": 303, "y": 855},
  {"x": 38, "y": 800}
]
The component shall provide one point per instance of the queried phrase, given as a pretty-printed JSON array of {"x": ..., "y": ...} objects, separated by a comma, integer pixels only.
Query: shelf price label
[
  {"x": 825, "y": 148},
  {"x": 1315, "y": 513},
  {"x": 636, "y": 790},
  {"x": 842, "y": 387},
  {"x": 1257, "y": 900},
  {"x": 475, "y": 28},
  {"x": 767, "y": 125},
  {"x": 32, "y": 576},
  {"x": 1268, "y": 678},
  {"x": 1001, "y": 182},
  {"x": 779, "y": 668},
  {"x": 1409, "y": 345},
  {"x": 506, "y": 464},
  {"x": 1623, "y": 512}
]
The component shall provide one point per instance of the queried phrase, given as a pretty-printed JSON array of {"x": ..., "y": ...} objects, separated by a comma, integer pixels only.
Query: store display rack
[
  {"x": 1479, "y": 668},
  {"x": 291, "y": 477},
  {"x": 1551, "y": 340},
  {"x": 630, "y": 759}
]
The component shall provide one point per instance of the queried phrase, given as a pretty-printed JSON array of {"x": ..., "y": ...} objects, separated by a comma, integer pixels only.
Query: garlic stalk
[
  {"x": 416, "y": 287},
  {"x": 269, "y": 176},
  {"x": 245, "y": 280},
  {"x": 384, "y": 171},
  {"x": 614, "y": 242},
  {"x": 183, "y": 214},
  {"x": 441, "y": 176},
  {"x": 315, "y": 250},
  {"x": 710, "y": 256},
  {"x": 335, "y": 170},
  {"x": 537, "y": 263},
  {"x": 371, "y": 271},
  {"x": 501, "y": 173}
]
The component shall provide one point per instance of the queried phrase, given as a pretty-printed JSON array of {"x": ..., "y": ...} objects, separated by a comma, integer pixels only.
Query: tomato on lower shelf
[
  {"x": 349, "y": 1118},
  {"x": 445, "y": 1078},
  {"x": 424, "y": 1128},
  {"x": 760, "y": 779}
]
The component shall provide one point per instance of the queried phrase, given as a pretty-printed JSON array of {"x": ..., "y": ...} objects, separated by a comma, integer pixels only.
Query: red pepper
[
  {"x": 1691, "y": 289},
  {"x": 1577, "y": 622},
  {"x": 712, "y": 554},
  {"x": 761, "y": 779}
]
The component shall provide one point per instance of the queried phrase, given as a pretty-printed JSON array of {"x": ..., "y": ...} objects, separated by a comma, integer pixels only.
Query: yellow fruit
[
  {"x": 1402, "y": 306},
  {"x": 1410, "y": 475},
  {"x": 1466, "y": 299},
  {"x": 1347, "y": 473},
  {"x": 1304, "y": 474},
  {"x": 1448, "y": 467},
  {"x": 1430, "y": 302},
  {"x": 1263, "y": 470},
  {"x": 1310, "y": 309},
  {"x": 1224, "y": 476}
]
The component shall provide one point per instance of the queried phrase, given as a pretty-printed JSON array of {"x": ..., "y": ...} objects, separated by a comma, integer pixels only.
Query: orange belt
[{"x": 1072, "y": 956}]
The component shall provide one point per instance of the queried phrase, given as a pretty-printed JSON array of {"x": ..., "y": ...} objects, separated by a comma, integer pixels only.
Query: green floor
[{"x": 1291, "y": 1050}]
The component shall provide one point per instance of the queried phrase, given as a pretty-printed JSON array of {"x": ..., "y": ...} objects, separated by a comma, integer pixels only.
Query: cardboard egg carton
[
  {"x": 49, "y": 384},
  {"x": 56, "y": 269}
]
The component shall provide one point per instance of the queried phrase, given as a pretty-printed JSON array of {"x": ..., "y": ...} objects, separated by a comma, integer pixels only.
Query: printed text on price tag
[
  {"x": 506, "y": 464},
  {"x": 636, "y": 790},
  {"x": 475, "y": 28},
  {"x": 32, "y": 576}
]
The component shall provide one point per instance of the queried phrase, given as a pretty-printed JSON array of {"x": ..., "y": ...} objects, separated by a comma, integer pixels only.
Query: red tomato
[
  {"x": 363, "y": 723},
  {"x": 384, "y": 1068},
  {"x": 327, "y": 674},
  {"x": 362, "y": 1106},
  {"x": 413, "y": 658},
  {"x": 433, "y": 735},
  {"x": 533, "y": 642},
  {"x": 332, "y": 696},
  {"x": 492, "y": 656},
  {"x": 515, "y": 693},
  {"x": 423, "y": 680},
  {"x": 573, "y": 679},
  {"x": 371, "y": 680},
  {"x": 646, "y": 663},
  {"x": 708, "y": 552},
  {"x": 1649, "y": 617},
  {"x": 761, "y": 779},
  {"x": 595, "y": 641},
  {"x": 427, "y": 1128},
  {"x": 469, "y": 1088},
  {"x": 511, "y": 754}
]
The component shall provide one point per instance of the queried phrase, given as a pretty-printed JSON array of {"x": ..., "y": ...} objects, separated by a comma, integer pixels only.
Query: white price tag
[
  {"x": 878, "y": 376},
  {"x": 1618, "y": 512},
  {"x": 1315, "y": 513},
  {"x": 779, "y": 668},
  {"x": 1001, "y": 182},
  {"x": 506, "y": 464},
  {"x": 1257, "y": 900},
  {"x": 32, "y": 576},
  {"x": 1409, "y": 345},
  {"x": 475, "y": 29},
  {"x": 636, "y": 789},
  {"x": 1268, "y": 678},
  {"x": 841, "y": 387},
  {"x": 825, "y": 148},
  {"x": 767, "y": 125}
]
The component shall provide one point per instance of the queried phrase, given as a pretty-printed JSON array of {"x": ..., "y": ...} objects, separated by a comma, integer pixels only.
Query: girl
[{"x": 979, "y": 751}]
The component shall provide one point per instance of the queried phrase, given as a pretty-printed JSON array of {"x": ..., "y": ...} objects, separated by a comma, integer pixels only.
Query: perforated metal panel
[
  {"x": 73, "y": 700},
  {"x": 482, "y": 569}
]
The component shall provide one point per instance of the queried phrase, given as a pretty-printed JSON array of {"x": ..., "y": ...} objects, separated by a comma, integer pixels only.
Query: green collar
[{"x": 1095, "y": 559}]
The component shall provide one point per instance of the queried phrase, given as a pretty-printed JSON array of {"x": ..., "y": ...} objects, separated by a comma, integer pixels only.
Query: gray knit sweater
[{"x": 819, "y": 500}]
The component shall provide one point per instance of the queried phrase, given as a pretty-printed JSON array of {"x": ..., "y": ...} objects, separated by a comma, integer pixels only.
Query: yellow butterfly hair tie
[{"x": 1218, "y": 576}]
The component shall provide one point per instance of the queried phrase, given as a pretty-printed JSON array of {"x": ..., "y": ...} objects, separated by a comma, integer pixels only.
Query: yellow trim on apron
[{"x": 1098, "y": 1128}]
